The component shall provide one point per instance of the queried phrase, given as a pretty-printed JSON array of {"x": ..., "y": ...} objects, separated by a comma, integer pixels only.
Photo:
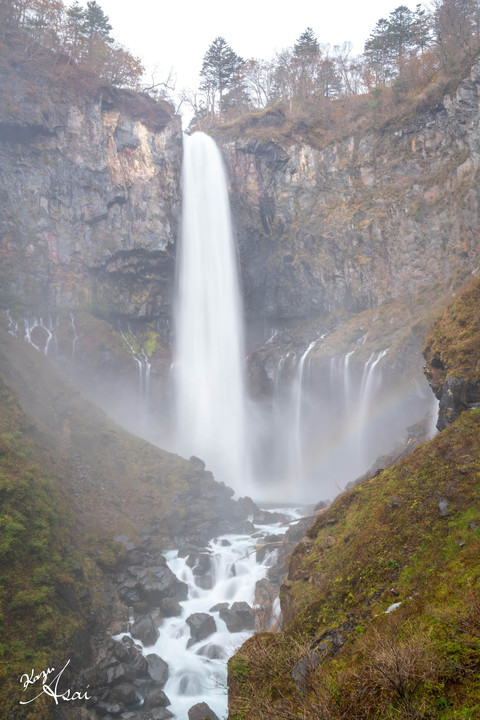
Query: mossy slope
[
  {"x": 70, "y": 480},
  {"x": 117, "y": 479},
  {"x": 410, "y": 535},
  {"x": 386, "y": 534},
  {"x": 453, "y": 345},
  {"x": 41, "y": 577}
]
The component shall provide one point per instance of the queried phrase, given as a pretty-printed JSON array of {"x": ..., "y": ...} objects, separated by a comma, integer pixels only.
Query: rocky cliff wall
[
  {"x": 452, "y": 352},
  {"x": 363, "y": 220},
  {"x": 90, "y": 203}
]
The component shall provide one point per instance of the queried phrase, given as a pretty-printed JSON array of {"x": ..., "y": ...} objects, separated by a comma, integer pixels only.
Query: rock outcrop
[
  {"x": 452, "y": 352},
  {"x": 90, "y": 203},
  {"x": 359, "y": 221}
]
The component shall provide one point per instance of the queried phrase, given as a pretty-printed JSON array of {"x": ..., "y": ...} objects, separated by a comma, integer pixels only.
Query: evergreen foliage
[
  {"x": 220, "y": 70},
  {"x": 402, "y": 56},
  {"x": 307, "y": 45},
  {"x": 53, "y": 34}
]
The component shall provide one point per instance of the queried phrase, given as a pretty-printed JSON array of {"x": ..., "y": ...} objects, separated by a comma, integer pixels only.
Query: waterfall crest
[{"x": 209, "y": 350}]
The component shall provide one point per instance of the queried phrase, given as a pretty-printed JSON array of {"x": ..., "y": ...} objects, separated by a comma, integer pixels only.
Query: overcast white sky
[{"x": 176, "y": 34}]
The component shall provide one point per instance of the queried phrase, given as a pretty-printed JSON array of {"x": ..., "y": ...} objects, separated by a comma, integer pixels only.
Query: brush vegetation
[
  {"x": 381, "y": 604},
  {"x": 453, "y": 345},
  {"x": 70, "y": 480}
]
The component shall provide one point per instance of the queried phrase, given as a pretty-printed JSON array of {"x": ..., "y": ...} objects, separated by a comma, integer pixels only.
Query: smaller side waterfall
[
  {"x": 298, "y": 397},
  {"x": 371, "y": 382},
  {"x": 330, "y": 419},
  {"x": 12, "y": 324},
  {"x": 44, "y": 330},
  {"x": 74, "y": 341},
  {"x": 142, "y": 362}
]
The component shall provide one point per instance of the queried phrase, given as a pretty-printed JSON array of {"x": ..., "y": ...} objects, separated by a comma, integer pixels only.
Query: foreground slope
[
  {"x": 70, "y": 481},
  {"x": 407, "y": 538}
]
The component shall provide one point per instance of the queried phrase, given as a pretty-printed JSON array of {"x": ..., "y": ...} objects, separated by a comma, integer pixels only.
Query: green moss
[
  {"x": 151, "y": 342},
  {"x": 389, "y": 533},
  {"x": 453, "y": 344}
]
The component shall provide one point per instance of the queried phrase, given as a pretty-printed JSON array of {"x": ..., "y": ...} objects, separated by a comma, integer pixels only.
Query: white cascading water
[
  {"x": 197, "y": 672},
  {"x": 209, "y": 357},
  {"x": 298, "y": 409}
]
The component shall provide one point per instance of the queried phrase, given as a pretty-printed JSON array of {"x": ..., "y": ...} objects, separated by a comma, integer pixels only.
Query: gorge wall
[
  {"x": 347, "y": 243},
  {"x": 362, "y": 220},
  {"x": 90, "y": 203}
]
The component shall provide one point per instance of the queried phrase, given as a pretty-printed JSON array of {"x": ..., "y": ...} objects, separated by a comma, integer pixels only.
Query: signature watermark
[{"x": 50, "y": 686}]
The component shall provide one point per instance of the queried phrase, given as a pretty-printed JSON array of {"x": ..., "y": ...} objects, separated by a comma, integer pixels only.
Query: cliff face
[
  {"x": 90, "y": 206},
  {"x": 390, "y": 565},
  {"x": 452, "y": 354},
  {"x": 90, "y": 203},
  {"x": 363, "y": 220}
]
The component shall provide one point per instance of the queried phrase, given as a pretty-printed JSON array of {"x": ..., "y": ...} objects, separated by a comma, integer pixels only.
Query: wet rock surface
[
  {"x": 238, "y": 617},
  {"x": 125, "y": 683},
  {"x": 201, "y": 626},
  {"x": 201, "y": 711}
]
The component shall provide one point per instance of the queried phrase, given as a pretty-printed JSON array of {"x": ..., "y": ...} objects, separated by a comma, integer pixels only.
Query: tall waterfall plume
[{"x": 209, "y": 352}]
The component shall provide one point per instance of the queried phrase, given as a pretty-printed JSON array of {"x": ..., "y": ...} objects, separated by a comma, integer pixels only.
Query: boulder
[
  {"x": 211, "y": 651},
  {"x": 201, "y": 626},
  {"x": 155, "y": 698},
  {"x": 170, "y": 607},
  {"x": 200, "y": 563},
  {"x": 120, "y": 672},
  {"x": 125, "y": 693},
  {"x": 205, "y": 582},
  {"x": 145, "y": 630},
  {"x": 157, "y": 669},
  {"x": 218, "y": 607},
  {"x": 160, "y": 582},
  {"x": 245, "y": 613},
  {"x": 231, "y": 620},
  {"x": 106, "y": 708},
  {"x": 303, "y": 668},
  {"x": 201, "y": 711}
]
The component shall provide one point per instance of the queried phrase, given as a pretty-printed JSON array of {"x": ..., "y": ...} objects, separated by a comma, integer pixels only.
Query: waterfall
[
  {"x": 298, "y": 409},
  {"x": 75, "y": 339},
  {"x": 48, "y": 329},
  {"x": 143, "y": 366},
  {"x": 209, "y": 351},
  {"x": 371, "y": 381}
]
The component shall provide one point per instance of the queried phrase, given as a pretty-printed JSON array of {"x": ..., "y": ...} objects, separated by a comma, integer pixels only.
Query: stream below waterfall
[{"x": 197, "y": 668}]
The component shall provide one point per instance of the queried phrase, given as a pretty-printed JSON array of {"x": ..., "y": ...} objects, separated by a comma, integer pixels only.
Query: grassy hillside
[
  {"x": 69, "y": 481},
  {"x": 115, "y": 479},
  {"x": 41, "y": 575},
  {"x": 408, "y": 538},
  {"x": 453, "y": 345}
]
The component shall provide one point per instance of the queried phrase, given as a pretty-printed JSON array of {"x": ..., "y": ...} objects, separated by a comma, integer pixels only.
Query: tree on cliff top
[
  {"x": 457, "y": 28},
  {"x": 220, "y": 71},
  {"x": 307, "y": 46}
]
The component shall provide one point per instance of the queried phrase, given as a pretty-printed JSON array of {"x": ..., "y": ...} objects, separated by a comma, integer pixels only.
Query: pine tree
[
  {"x": 306, "y": 57},
  {"x": 421, "y": 29},
  {"x": 76, "y": 30},
  {"x": 220, "y": 69},
  {"x": 377, "y": 52},
  {"x": 307, "y": 46},
  {"x": 97, "y": 29},
  {"x": 400, "y": 33},
  {"x": 96, "y": 22}
]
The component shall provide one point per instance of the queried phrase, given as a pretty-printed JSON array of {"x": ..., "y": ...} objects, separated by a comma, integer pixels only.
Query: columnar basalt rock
[
  {"x": 363, "y": 220},
  {"x": 90, "y": 200}
]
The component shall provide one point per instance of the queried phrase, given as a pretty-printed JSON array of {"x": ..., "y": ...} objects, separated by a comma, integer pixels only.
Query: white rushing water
[
  {"x": 199, "y": 673},
  {"x": 209, "y": 348}
]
